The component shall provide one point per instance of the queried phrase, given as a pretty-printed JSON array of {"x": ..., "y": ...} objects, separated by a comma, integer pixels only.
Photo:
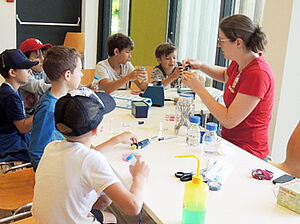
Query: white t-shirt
[
  {"x": 68, "y": 181},
  {"x": 105, "y": 71}
]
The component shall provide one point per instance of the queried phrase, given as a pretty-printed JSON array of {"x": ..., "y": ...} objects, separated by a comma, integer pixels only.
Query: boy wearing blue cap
[
  {"x": 14, "y": 126},
  {"x": 71, "y": 177}
]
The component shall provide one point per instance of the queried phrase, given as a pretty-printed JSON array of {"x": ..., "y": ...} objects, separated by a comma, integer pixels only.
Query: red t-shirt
[{"x": 256, "y": 79}]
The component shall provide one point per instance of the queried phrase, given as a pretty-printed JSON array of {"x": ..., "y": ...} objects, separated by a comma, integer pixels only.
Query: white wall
[
  {"x": 285, "y": 41},
  {"x": 7, "y": 25},
  {"x": 89, "y": 27}
]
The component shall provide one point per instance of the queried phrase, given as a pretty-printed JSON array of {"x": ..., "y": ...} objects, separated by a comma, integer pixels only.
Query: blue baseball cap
[{"x": 15, "y": 59}]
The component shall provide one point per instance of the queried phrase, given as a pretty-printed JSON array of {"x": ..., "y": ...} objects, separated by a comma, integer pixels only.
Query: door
[{"x": 47, "y": 20}]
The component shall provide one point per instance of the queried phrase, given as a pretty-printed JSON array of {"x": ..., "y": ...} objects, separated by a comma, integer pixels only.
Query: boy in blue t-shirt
[
  {"x": 63, "y": 67},
  {"x": 14, "y": 126}
]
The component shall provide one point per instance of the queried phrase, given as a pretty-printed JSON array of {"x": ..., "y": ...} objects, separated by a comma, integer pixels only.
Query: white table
[{"x": 242, "y": 199}]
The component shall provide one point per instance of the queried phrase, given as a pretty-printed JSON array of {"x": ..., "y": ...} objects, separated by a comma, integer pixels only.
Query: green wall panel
[{"x": 148, "y": 29}]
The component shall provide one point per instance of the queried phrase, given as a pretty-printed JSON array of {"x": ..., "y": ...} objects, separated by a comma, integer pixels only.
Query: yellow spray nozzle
[
  {"x": 196, "y": 178},
  {"x": 133, "y": 146}
]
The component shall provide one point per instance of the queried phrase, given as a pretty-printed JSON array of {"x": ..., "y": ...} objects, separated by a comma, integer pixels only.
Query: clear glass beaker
[{"x": 184, "y": 109}]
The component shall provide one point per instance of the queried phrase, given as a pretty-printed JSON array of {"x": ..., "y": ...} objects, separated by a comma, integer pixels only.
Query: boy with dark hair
[
  {"x": 71, "y": 176},
  {"x": 38, "y": 83},
  {"x": 14, "y": 126},
  {"x": 167, "y": 72},
  {"x": 63, "y": 67},
  {"x": 117, "y": 71}
]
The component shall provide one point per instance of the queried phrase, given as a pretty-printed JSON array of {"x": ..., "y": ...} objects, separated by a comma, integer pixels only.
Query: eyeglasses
[{"x": 222, "y": 40}]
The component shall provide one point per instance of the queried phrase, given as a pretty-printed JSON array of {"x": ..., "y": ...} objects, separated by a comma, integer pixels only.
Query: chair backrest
[
  {"x": 16, "y": 189},
  {"x": 292, "y": 161},
  {"x": 75, "y": 40},
  {"x": 88, "y": 77},
  {"x": 149, "y": 70},
  {"x": 29, "y": 220}
]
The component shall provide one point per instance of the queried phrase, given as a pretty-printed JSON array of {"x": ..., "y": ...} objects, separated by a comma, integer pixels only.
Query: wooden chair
[
  {"x": 16, "y": 193},
  {"x": 291, "y": 164},
  {"x": 88, "y": 77},
  {"x": 149, "y": 70},
  {"x": 28, "y": 220},
  {"x": 75, "y": 40}
]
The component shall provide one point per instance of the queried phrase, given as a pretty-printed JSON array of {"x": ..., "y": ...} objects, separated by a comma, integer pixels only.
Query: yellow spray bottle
[{"x": 195, "y": 197}]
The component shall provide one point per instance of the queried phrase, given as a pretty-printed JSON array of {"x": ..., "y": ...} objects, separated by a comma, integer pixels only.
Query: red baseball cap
[{"x": 33, "y": 44}]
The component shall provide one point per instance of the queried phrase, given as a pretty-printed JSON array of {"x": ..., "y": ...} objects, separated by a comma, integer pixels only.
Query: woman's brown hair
[{"x": 241, "y": 26}]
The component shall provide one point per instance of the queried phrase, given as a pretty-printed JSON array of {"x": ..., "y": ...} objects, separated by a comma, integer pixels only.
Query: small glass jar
[
  {"x": 209, "y": 142},
  {"x": 193, "y": 135},
  {"x": 184, "y": 109}
]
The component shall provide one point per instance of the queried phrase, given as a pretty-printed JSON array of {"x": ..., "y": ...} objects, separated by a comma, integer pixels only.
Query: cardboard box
[{"x": 289, "y": 195}]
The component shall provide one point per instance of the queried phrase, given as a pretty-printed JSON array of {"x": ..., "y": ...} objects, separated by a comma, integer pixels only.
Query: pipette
[{"x": 142, "y": 144}]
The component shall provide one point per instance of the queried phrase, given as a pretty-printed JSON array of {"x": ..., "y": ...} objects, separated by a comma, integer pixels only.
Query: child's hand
[
  {"x": 95, "y": 88},
  {"x": 140, "y": 170},
  {"x": 126, "y": 138},
  {"x": 178, "y": 71},
  {"x": 138, "y": 74}
]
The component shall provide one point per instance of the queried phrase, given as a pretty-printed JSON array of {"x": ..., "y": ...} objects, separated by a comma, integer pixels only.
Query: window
[
  {"x": 251, "y": 8},
  {"x": 197, "y": 29},
  {"x": 197, "y": 26},
  {"x": 120, "y": 16}
]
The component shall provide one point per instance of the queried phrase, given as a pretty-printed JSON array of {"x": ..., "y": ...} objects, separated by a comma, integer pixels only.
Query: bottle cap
[
  {"x": 188, "y": 95},
  {"x": 195, "y": 119},
  {"x": 214, "y": 186},
  {"x": 97, "y": 77},
  {"x": 130, "y": 157},
  {"x": 211, "y": 126}
]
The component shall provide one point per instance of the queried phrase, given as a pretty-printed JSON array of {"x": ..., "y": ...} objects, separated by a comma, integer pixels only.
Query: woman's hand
[
  {"x": 191, "y": 80},
  {"x": 195, "y": 64}
]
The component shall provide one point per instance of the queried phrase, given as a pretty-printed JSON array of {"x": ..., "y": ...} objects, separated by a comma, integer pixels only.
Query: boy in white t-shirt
[
  {"x": 117, "y": 71},
  {"x": 71, "y": 176}
]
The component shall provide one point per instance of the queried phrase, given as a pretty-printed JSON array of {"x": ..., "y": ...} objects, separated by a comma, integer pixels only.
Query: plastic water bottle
[
  {"x": 131, "y": 159},
  {"x": 210, "y": 137},
  {"x": 195, "y": 198},
  {"x": 95, "y": 82},
  {"x": 193, "y": 134}
]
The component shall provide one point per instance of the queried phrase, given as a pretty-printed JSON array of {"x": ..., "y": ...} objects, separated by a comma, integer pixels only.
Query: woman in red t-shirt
[{"x": 249, "y": 89}]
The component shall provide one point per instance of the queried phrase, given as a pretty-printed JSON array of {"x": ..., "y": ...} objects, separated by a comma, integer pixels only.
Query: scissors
[{"x": 184, "y": 176}]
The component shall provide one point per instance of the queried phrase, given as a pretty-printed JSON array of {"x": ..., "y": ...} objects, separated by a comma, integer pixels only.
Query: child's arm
[
  {"x": 25, "y": 125},
  {"x": 36, "y": 86},
  {"x": 142, "y": 81},
  {"x": 131, "y": 201},
  {"x": 124, "y": 138},
  {"x": 110, "y": 86}
]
